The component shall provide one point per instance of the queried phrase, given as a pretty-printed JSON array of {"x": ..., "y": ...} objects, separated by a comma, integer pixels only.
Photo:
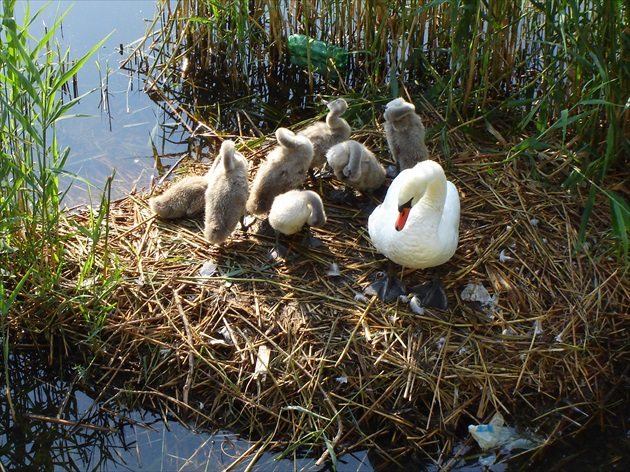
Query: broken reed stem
[
  {"x": 360, "y": 322},
  {"x": 191, "y": 350},
  {"x": 525, "y": 363},
  {"x": 253, "y": 448},
  {"x": 169, "y": 399},
  {"x": 74, "y": 424},
  {"x": 436, "y": 393},
  {"x": 168, "y": 173}
]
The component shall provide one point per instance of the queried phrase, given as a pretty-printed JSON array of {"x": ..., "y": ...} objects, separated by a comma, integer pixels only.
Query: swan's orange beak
[{"x": 402, "y": 218}]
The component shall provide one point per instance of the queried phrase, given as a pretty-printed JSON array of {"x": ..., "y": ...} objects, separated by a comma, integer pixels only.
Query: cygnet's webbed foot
[
  {"x": 368, "y": 207},
  {"x": 430, "y": 294},
  {"x": 392, "y": 171},
  {"x": 246, "y": 222},
  {"x": 339, "y": 194},
  {"x": 277, "y": 252},
  {"x": 386, "y": 287},
  {"x": 311, "y": 241},
  {"x": 316, "y": 177}
]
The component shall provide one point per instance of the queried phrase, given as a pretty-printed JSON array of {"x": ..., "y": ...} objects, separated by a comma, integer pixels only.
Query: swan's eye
[{"x": 405, "y": 206}]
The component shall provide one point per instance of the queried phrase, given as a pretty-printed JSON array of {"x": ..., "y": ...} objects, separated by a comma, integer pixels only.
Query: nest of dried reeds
[{"x": 286, "y": 351}]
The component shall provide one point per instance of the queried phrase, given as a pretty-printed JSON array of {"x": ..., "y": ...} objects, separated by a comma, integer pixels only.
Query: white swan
[{"x": 417, "y": 225}]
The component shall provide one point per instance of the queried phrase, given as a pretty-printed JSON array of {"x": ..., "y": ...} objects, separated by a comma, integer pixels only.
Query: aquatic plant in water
[{"x": 34, "y": 96}]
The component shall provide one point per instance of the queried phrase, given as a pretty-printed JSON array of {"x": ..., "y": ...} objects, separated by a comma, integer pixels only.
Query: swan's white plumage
[{"x": 429, "y": 237}]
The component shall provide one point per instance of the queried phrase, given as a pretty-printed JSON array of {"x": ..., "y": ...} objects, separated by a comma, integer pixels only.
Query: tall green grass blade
[
  {"x": 620, "y": 212},
  {"x": 7, "y": 300},
  {"x": 34, "y": 74}
]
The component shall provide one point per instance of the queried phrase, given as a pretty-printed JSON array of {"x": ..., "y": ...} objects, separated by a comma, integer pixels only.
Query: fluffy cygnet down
[
  {"x": 185, "y": 197},
  {"x": 296, "y": 208},
  {"x": 326, "y": 134},
  {"x": 226, "y": 194},
  {"x": 291, "y": 212},
  {"x": 405, "y": 134},
  {"x": 356, "y": 166},
  {"x": 284, "y": 169}
]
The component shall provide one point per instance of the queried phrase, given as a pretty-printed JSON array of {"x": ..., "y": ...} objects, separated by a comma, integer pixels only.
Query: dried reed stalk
[{"x": 348, "y": 373}]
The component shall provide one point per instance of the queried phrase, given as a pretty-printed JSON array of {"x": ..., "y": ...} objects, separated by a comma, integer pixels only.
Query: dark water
[{"x": 51, "y": 421}]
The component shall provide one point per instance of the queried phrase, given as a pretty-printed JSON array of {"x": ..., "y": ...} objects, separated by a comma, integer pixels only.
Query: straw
[{"x": 285, "y": 352}]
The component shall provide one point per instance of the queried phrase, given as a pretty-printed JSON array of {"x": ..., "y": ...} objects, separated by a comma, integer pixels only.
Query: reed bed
[
  {"x": 477, "y": 57},
  {"x": 288, "y": 354},
  {"x": 554, "y": 72}
]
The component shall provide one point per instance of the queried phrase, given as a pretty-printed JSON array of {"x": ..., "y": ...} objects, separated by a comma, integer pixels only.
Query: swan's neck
[
  {"x": 228, "y": 162},
  {"x": 435, "y": 193},
  {"x": 429, "y": 189},
  {"x": 333, "y": 121},
  {"x": 354, "y": 161},
  {"x": 317, "y": 216}
]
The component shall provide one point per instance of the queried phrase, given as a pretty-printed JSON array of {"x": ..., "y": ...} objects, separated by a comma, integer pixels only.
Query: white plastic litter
[
  {"x": 496, "y": 434},
  {"x": 503, "y": 257},
  {"x": 333, "y": 271},
  {"x": 415, "y": 306},
  {"x": 262, "y": 362}
]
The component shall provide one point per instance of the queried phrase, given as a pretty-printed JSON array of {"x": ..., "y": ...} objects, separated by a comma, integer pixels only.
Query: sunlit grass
[{"x": 34, "y": 75}]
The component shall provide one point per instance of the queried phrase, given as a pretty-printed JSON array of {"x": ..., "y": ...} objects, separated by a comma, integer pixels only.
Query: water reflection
[
  {"x": 49, "y": 423},
  {"x": 50, "y": 420},
  {"x": 121, "y": 131}
]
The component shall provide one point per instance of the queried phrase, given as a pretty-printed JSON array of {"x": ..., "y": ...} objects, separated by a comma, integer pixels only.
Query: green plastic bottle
[{"x": 320, "y": 52}]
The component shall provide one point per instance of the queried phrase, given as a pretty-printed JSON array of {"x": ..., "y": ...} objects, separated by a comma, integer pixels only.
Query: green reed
[{"x": 34, "y": 96}]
